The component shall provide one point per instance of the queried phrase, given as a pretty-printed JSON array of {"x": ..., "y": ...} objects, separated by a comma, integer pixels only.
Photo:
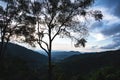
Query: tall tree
[
  {"x": 11, "y": 19},
  {"x": 44, "y": 20},
  {"x": 7, "y": 15}
]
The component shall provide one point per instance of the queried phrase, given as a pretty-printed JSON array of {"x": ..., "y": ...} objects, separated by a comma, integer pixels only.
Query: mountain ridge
[
  {"x": 86, "y": 63},
  {"x": 31, "y": 57}
]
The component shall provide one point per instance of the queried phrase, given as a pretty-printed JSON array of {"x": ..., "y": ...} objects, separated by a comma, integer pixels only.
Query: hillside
[
  {"x": 86, "y": 63},
  {"x": 32, "y": 58},
  {"x": 20, "y": 63},
  {"x": 60, "y": 55}
]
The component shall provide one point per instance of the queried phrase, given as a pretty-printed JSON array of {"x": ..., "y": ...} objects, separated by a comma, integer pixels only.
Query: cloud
[
  {"x": 107, "y": 3},
  {"x": 115, "y": 44},
  {"x": 106, "y": 28},
  {"x": 97, "y": 25},
  {"x": 109, "y": 27},
  {"x": 111, "y": 30},
  {"x": 98, "y": 36},
  {"x": 116, "y": 10},
  {"x": 113, "y": 5}
]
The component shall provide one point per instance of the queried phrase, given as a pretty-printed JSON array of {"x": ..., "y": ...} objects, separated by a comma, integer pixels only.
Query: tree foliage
[
  {"x": 43, "y": 20},
  {"x": 8, "y": 14},
  {"x": 13, "y": 22}
]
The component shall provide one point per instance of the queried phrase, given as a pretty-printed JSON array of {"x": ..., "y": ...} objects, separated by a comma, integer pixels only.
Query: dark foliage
[
  {"x": 106, "y": 73},
  {"x": 15, "y": 69},
  {"x": 84, "y": 64},
  {"x": 32, "y": 58},
  {"x": 20, "y": 63}
]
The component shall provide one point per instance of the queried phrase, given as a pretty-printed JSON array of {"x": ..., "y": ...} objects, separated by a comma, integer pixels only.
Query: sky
[{"x": 103, "y": 35}]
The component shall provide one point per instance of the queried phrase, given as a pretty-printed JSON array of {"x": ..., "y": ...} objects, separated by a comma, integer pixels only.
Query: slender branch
[
  {"x": 48, "y": 7},
  {"x": 42, "y": 47},
  {"x": 69, "y": 16},
  {"x": 39, "y": 39},
  {"x": 44, "y": 43},
  {"x": 10, "y": 31},
  {"x": 50, "y": 22},
  {"x": 57, "y": 32}
]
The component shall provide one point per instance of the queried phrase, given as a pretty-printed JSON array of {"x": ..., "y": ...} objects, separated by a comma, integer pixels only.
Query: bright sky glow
[{"x": 98, "y": 37}]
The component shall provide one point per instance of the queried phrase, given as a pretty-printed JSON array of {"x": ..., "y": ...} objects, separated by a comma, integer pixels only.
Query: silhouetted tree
[
  {"x": 43, "y": 20},
  {"x": 7, "y": 14},
  {"x": 12, "y": 26}
]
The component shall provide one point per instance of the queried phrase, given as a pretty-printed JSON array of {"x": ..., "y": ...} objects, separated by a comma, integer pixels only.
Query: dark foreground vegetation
[{"x": 20, "y": 63}]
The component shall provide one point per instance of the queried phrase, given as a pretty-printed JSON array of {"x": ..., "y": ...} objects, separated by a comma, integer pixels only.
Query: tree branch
[
  {"x": 57, "y": 32},
  {"x": 42, "y": 47},
  {"x": 69, "y": 16},
  {"x": 41, "y": 41}
]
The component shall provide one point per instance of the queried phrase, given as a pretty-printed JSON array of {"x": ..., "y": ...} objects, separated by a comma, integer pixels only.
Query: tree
[
  {"x": 7, "y": 14},
  {"x": 43, "y": 20},
  {"x": 11, "y": 22}
]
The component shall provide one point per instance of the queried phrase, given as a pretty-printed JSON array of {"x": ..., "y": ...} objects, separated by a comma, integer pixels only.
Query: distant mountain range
[
  {"x": 60, "y": 55},
  {"x": 89, "y": 62}
]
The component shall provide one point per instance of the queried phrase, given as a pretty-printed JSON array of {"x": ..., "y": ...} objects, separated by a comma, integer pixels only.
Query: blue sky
[
  {"x": 109, "y": 27},
  {"x": 103, "y": 35}
]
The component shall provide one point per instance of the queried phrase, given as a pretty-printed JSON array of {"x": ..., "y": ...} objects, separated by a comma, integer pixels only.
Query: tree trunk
[
  {"x": 49, "y": 55},
  {"x": 1, "y": 47},
  {"x": 49, "y": 66},
  {"x": 50, "y": 58}
]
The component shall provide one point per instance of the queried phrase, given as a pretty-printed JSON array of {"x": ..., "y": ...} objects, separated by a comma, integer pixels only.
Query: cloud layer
[{"x": 109, "y": 27}]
